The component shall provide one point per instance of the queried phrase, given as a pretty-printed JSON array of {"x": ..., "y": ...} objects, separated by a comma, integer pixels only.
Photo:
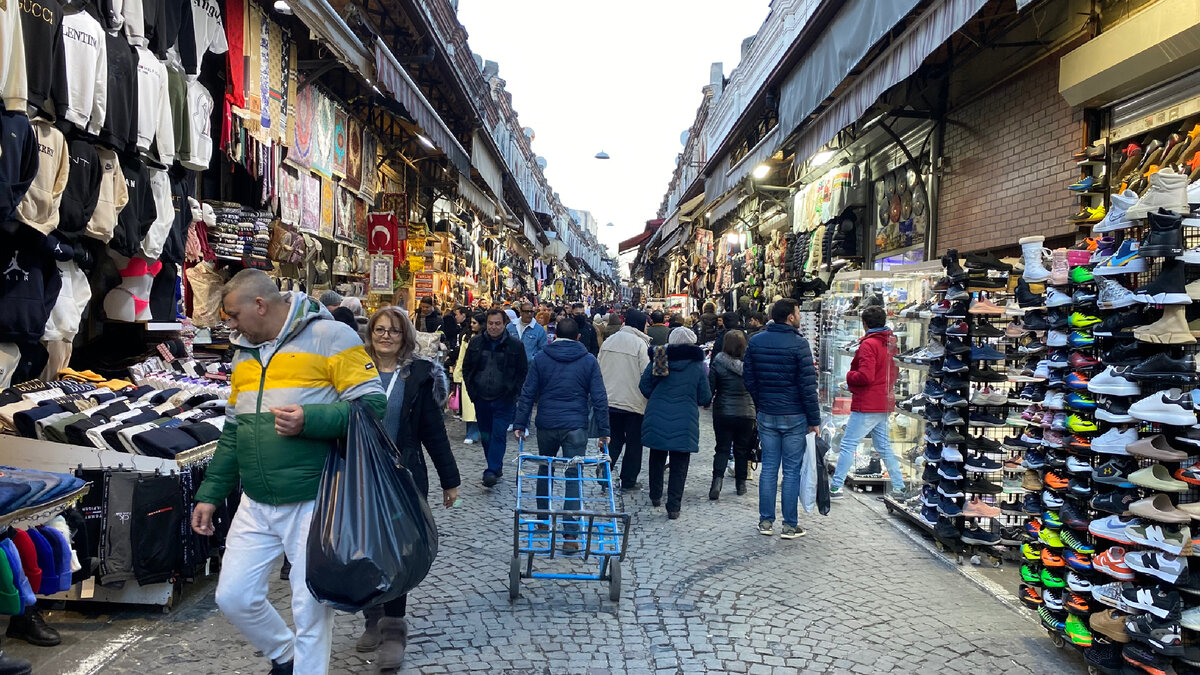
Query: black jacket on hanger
[
  {"x": 41, "y": 24},
  {"x": 121, "y": 116}
]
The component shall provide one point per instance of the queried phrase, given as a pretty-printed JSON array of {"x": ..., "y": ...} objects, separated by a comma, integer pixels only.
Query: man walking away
[
  {"x": 587, "y": 332},
  {"x": 623, "y": 358},
  {"x": 561, "y": 380},
  {"x": 658, "y": 330},
  {"x": 872, "y": 381},
  {"x": 528, "y": 331},
  {"x": 294, "y": 374},
  {"x": 779, "y": 373},
  {"x": 493, "y": 371}
]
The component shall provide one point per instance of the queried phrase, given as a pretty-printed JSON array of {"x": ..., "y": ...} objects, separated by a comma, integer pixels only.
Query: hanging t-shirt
[
  {"x": 154, "y": 107},
  {"x": 210, "y": 33},
  {"x": 200, "y": 107}
]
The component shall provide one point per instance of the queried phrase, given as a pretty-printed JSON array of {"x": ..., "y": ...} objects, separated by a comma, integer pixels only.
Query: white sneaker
[
  {"x": 1168, "y": 190},
  {"x": 1056, "y": 338},
  {"x": 468, "y": 441},
  {"x": 1113, "y": 295},
  {"x": 950, "y": 453},
  {"x": 1192, "y": 256},
  {"x": 1193, "y": 197},
  {"x": 1165, "y": 407},
  {"x": 1054, "y": 401},
  {"x": 1056, "y": 298},
  {"x": 1114, "y": 381},
  {"x": 1115, "y": 218}
]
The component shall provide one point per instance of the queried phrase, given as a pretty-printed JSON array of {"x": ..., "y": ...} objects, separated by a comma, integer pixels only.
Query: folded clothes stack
[{"x": 24, "y": 488}]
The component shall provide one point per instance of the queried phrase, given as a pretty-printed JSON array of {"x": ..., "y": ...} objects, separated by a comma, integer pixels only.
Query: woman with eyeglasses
[
  {"x": 413, "y": 419},
  {"x": 467, "y": 406}
]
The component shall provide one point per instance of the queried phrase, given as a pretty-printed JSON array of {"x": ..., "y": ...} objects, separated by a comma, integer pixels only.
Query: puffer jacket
[
  {"x": 779, "y": 374},
  {"x": 872, "y": 375},
  {"x": 672, "y": 420},
  {"x": 561, "y": 381},
  {"x": 316, "y": 362},
  {"x": 730, "y": 398},
  {"x": 707, "y": 330}
]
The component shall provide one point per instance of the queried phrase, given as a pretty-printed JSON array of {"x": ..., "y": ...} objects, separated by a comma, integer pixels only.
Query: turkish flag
[{"x": 382, "y": 236}]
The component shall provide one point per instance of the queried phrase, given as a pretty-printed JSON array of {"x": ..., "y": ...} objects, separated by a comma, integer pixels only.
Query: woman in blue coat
[{"x": 676, "y": 383}]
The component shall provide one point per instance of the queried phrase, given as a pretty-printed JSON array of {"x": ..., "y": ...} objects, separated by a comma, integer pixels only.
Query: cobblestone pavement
[{"x": 704, "y": 593}]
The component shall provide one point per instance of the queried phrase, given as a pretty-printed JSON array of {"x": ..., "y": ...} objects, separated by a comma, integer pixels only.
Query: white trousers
[{"x": 258, "y": 535}]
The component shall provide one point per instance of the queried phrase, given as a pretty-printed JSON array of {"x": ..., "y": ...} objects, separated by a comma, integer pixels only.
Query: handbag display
[{"x": 286, "y": 245}]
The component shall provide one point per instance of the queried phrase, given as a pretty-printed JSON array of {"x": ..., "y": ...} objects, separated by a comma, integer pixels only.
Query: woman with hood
[
  {"x": 733, "y": 413},
  {"x": 676, "y": 385}
]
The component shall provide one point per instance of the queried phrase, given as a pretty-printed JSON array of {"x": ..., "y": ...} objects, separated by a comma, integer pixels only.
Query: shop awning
[
  {"x": 332, "y": 31},
  {"x": 721, "y": 181},
  {"x": 468, "y": 191},
  {"x": 394, "y": 78},
  {"x": 487, "y": 165},
  {"x": 901, "y": 59},
  {"x": 723, "y": 207},
  {"x": 667, "y": 229}
]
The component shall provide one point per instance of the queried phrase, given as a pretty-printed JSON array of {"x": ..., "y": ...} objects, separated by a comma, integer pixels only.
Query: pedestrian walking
[
  {"x": 728, "y": 321},
  {"x": 587, "y": 331},
  {"x": 429, "y": 319},
  {"x": 466, "y": 405},
  {"x": 413, "y": 419},
  {"x": 565, "y": 383},
  {"x": 733, "y": 414},
  {"x": 623, "y": 359},
  {"x": 658, "y": 330},
  {"x": 779, "y": 373},
  {"x": 452, "y": 326},
  {"x": 528, "y": 331},
  {"x": 707, "y": 330},
  {"x": 284, "y": 415},
  {"x": 676, "y": 385},
  {"x": 872, "y": 381},
  {"x": 493, "y": 372}
]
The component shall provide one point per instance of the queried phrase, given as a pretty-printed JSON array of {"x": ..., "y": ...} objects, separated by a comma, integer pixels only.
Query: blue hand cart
[{"x": 566, "y": 508}]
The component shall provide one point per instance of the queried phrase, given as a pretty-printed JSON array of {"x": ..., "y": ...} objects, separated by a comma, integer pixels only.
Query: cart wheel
[
  {"x": 614, "y": 580},
  {"x": 514, "y": 578}
]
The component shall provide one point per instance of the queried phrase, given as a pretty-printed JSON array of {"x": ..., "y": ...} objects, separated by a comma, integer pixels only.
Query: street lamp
[
  {"x": 602, "y": 155},
  {"x": 761, "y": 171}
]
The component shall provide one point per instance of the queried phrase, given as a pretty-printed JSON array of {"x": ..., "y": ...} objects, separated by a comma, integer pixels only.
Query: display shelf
[{"x": 33, "y": 516}]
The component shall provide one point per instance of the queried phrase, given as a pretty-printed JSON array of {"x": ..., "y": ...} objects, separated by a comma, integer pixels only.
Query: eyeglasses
[{"x": 382, "y": 332}]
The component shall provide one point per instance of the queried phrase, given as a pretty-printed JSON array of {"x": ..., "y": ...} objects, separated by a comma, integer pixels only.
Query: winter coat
[
  {"x": 431, "y": 323},
  {"x": 30, "y": 281},
  {"x": 779, "y": 373},
  {"x": 623, "y": 357},
  {"x": 872, "y": 376},
  {"x": 316, "y": 362},
  {"x": 561, "y": 381},
  {"x": 658, "y": 334},
  {"x": 730, "y": 398},
  {"x": 450, "y": 333},
  {"x": 707, "y": 330},
  {"x": 587, "y": 335},
  {"x": 672, "y": 420},
  {"x": 533, "y": 339},
  {"x": 421, "y": 424},
  {"x": 494, "y": 370}
]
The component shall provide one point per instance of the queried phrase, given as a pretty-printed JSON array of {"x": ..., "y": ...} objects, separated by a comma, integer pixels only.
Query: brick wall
[{"x": 1009, "y": 165}]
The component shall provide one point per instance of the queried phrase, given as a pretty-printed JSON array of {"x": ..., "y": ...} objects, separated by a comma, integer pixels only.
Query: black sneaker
[
  {"x": 1027, "y": 299},
  {"x": 931, "y": 473},
  {"x": 1079, "y": 487},
  {"x": 1114, "y": 472},
  {"x": 1012, "y": 508},
  {"x": 1071, "y": 517},
  {"x": 1032, "y": 505},
  {"x": 954, "y": 399},
  {"x": 986, "y": 261},
  {"x": 1164, "y": 636},
  {"x": 982, "y": 486},
  {"x": 933, "y": 452},
  {"x": 937, "y": 325},
  {"x": 946, "y": 531},
  {"x": 981, "y": 419},
  {"x": 1056, "y": 318},
  {"x": 933, "y": 412},
  {"x": 1162, "y": 366},
  {"x": 984, "y": 443},
  {"x": 982, "y": 464},
  {"x": 957, "y": 291},
  {"x": 1157, "y": 599},
  {"x": 955, "y": 381},
  {"x": 957, "y": 346},
  {"x": 933, "y": 390},
  {"x": 1016, "y": 442},
  {"x": 951, "y": 489},
  {"x": 1122, "y": 354},
  {"x": 1104, "y": 656},
  {"x": 982, "y": 282},
  {"x": 934, "y": 435},
  {"x": 952, "y": 364},
  {"x": 1119, "y": 324},
  {"x": 1034, "y": 321},
  {"x": 977, "y": 536},
  {"x": 984, "y": 329},
  {"x": 952, "y": 418},
  {"x": 958, "y": 310},
  {"x": 1082, "y": 297},
  {"x": 1116, "y": 502},
  {"x": 953, "y": 269},
  {"x": 954, "y": 437},
  {"x": 985, "y": 374},
  {"x": 1014, "y": 535}
]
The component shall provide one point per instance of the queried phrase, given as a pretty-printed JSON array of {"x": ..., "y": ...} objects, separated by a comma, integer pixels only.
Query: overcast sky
[{"x": 623, "y": 76}]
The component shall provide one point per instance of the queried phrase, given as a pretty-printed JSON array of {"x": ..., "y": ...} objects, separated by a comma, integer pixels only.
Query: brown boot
[
  {"x": 394, "y": 633},
  {"x": 369, "y": 640}
]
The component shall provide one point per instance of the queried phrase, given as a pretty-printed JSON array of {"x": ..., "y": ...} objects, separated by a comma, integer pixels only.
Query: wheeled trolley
[{"x": 566, "y": 508}]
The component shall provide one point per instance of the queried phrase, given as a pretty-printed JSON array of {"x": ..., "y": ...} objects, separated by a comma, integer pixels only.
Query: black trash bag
[
  {"x": 372, "y": 537},
  {"x": 822, "y": 478}
]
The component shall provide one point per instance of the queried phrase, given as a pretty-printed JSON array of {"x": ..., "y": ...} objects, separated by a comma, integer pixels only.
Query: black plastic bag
[
  {"x": 822, "y": 477},
  {"x": 372, "y": 537}
]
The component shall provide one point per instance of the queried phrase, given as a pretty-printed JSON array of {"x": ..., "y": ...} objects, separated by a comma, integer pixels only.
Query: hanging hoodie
[
  {"x": 41, "y": 21},
  {"x": 83, "y": 189},
  {"x": 134, "y": 220},
  {"x": 154, "y": 107},
  {"x": 181, "y": 120},
  {"x": 18, "y": 161},
  {"x": 29, "y": 282},
  {"x": 168, "y": 23},
  {"x": 200, "y": 106},
  {"x": 164, "y": 215},
  {"x": 14, "y": 87},
  {"x": 120, "y": 131},
  {"x": 181, "y": 190},
  {"x": 85, "y": 52},
  {"x": 113, "y": 197},
  {"x": 40, "y": 207},
  {"x": 208, "y": 29}
]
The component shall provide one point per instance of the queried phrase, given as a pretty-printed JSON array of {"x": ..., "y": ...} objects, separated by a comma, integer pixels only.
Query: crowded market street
[{"x": 850, "y": 597}]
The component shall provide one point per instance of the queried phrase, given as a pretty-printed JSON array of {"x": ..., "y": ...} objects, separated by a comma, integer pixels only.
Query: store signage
[{"x": 423, "y": 283}]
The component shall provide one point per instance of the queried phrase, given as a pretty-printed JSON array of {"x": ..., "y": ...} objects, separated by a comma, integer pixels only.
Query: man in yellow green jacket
[{"x": 294, "y": 374}]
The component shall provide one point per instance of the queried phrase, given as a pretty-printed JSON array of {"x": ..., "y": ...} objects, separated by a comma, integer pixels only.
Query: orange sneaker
[
  {"x": 1050, "y": 559},
  {"x": 1054, "y": 481}
]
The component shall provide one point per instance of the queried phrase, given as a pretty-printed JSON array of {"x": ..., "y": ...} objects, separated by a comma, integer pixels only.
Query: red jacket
[{"x": 873, "y": 374}]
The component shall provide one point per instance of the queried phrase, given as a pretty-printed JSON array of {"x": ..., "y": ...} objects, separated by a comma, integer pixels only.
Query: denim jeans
[
  {"x": 857, "y": 428},
  {"x": 573, "y": 443},
  {"x": 473, "y": 431},
  {"x": 494, "y": 418},
  {"x": 783, "y": 443}
]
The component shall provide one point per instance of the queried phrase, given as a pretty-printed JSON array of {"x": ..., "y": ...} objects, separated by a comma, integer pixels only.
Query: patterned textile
[
  {"x": 354, "y": 147},
  {"x": 310, "y": 201},
  {"x": 344, "y": 214},
  {"x": 328, "y": 207},
  {"x": 322, "y": 135},
  {"x": 300, "y": 154},
  {"x": 341, "y": 127}
]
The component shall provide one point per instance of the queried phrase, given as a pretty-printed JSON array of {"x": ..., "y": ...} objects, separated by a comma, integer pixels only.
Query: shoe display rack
[
  {"x": 905, "y": 296},
  {"x": 965, "y": 400},
  {"x": 1111, "y": 443}
]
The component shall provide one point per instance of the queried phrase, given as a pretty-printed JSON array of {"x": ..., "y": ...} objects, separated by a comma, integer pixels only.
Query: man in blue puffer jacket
[
  {"x": 779, "y": 374},
  {"x": 561, "y": 379}
]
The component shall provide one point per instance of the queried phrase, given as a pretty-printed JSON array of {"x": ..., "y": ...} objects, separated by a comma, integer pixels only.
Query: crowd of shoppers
[{"x": 629, "y": 379}]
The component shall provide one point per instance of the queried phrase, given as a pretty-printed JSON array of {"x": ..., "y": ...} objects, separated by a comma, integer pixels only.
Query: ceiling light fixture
[
  {"x": 822, "y": 157},
  {"x": 602, "y": 155},
  {"x": 428, "y": 143},
  {"x": 283, "y": 7},
  {"x": 761, "y": 171}
]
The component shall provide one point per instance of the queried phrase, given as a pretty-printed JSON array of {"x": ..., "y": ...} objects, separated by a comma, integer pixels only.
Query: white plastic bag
[{"x": 808, "y": 474}]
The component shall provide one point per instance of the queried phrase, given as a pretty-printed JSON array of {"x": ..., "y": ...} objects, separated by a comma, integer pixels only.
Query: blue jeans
[
  {"x": 857, "y": 428},
  {"x": 573, "y": 443},
  {"x": 494, "y": 418},
  {"x": 783, "y": 443},
  {"x": 473, "y": 431}
]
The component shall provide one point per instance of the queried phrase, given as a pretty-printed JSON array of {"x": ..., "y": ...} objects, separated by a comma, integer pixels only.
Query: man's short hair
[
  {"x": 759, "y": 317},
  {"x": 656, "y": 316},
  {"x": 250, "y": 284},
  {"x": 567, "y": 328},
  {"x": 782, "y": 309},
  {"x": 427, "y": 300},
  {"x": 577, "y": 305},
  {"x": 874, "y": 317},
  {"x": 496, "y": 311}
]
